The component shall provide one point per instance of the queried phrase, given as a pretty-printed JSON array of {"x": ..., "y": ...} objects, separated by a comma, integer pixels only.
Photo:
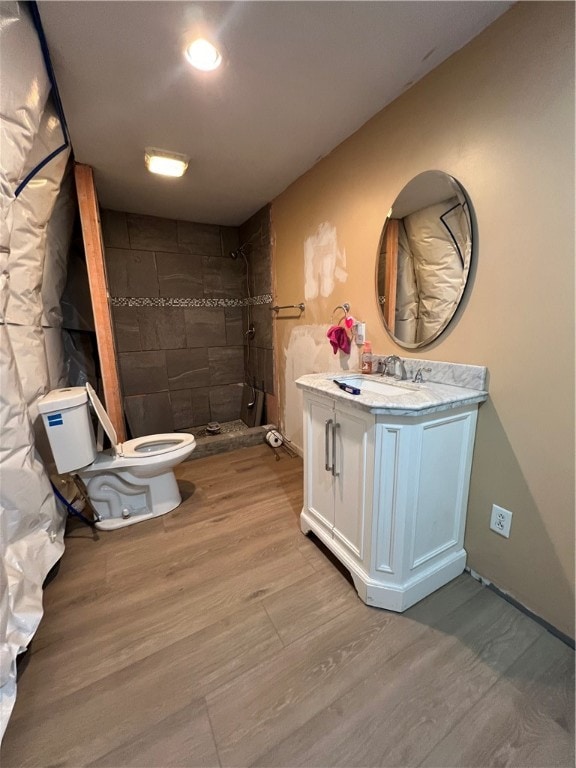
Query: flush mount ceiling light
[
  {"x": 203, "y": 55},
  {"x": 165, "y": 163}
]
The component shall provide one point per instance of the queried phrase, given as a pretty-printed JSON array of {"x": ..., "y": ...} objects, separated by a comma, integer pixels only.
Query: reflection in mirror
[{"x": 424, "y": 258}]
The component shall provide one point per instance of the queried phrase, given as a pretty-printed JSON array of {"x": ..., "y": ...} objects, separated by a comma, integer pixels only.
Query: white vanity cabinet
[
  {"x": 387, "y": 494},
  {"x": 339, "y": 454}
]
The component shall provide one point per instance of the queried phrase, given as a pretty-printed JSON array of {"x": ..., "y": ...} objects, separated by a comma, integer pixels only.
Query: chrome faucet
[
  {"x": 386, "y": 365},
  {"x": 394, "y": 366},
  {"x": 419, "y": 375}
]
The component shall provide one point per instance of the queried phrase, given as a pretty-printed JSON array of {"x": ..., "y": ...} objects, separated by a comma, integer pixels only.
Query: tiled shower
[{"x": 180, "y": 311}]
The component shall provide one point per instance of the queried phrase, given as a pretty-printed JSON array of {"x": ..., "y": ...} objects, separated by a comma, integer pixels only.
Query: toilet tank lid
[{"x": 60, "y": 399}]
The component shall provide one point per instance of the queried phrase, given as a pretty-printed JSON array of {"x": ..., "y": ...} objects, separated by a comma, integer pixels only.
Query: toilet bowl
[{"x": 127, "y": 483}]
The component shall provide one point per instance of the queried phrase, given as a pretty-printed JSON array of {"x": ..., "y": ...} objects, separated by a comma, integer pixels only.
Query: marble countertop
[{"x": 427, "y": 397}]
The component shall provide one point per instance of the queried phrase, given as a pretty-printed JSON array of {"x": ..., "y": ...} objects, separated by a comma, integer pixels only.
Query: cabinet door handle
[
  {"x": 334, "y": 428},
  {"x": 327, "y": 446}
]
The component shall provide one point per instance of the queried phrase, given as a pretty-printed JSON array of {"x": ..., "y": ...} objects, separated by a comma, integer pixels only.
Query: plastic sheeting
[
  {"x": 31, "y": 529},
  {"x": 58, "y": 238},
  {"x": 80, "y": 354},
  {"x": 37, "y": 271},
  {"x": 25, "y": 90},
  {"x": 432, "y": 267},
  {"x": 76, "y": 301},
  {"x": 406, "y": 314},
  {"x": 35, "y": 220},
  {"x": 55, "y": 357}
]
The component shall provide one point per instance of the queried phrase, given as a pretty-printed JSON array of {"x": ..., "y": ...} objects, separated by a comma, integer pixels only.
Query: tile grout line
[
  {"x": 261, "y": 603},
  {"x": 212, "y": 731}
]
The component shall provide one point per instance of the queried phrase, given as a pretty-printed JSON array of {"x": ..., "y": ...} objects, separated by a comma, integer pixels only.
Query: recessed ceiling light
[
  {"x": 203, "y": 55},
  {"x": 165, "y": 163}
]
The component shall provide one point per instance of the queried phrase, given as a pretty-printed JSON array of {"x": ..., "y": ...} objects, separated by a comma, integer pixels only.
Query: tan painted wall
[{"x": 499, "y": 116}]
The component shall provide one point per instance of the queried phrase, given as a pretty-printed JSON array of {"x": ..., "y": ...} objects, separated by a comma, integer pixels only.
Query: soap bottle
[{"x": 367, "y": 357}]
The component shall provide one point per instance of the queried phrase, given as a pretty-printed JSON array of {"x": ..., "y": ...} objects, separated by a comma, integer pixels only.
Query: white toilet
[{"x": 129, "y": 482}]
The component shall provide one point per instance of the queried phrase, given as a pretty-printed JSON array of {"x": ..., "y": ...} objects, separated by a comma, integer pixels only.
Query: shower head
[{"x": 243, "y": 251}]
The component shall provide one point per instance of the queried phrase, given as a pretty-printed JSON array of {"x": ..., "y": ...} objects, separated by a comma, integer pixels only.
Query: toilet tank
[{"x": 66, "y": 418}]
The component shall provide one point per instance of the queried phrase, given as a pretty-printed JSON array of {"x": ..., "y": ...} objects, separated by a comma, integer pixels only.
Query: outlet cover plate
[{"x": 500, "y": 521}]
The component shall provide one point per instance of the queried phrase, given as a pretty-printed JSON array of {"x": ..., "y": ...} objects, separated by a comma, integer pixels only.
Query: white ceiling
[{"x": 299, "y": 78}]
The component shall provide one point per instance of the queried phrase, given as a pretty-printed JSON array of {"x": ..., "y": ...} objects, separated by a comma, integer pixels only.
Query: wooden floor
[{"x": 219, "y": 635}]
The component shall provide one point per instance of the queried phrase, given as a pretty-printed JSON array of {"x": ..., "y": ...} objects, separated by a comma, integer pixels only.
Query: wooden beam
[
  {"x": 391, "y": 273},
  {"x": 94, "y": 249}
]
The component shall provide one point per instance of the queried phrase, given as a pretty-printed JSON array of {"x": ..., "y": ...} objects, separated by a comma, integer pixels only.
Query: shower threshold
[{"x": 232, "y": 435}]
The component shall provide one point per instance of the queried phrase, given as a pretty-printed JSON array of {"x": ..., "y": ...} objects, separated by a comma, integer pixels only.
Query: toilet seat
[
  {"x": 103, "y": 417},
  {"x": 140, "y": 448},
  {"x": 153, "y": 445}
]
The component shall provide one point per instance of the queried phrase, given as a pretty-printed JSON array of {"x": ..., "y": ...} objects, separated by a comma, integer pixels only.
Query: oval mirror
[{"x": 424, "y": 258}]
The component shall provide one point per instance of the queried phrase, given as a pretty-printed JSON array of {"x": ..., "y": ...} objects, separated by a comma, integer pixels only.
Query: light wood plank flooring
[{"x": 219, "y": 635}]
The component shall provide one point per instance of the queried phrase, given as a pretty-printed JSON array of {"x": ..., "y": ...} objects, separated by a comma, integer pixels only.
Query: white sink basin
[{"x": 377, "y": 385}]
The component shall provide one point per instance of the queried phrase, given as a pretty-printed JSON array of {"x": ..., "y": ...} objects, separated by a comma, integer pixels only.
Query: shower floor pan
[{"x": 232, "y": 435}]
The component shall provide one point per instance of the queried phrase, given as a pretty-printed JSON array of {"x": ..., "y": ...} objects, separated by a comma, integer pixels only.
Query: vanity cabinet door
[
  {"x": 353, "y": 467},
  {"x": 319, "y": 418}
]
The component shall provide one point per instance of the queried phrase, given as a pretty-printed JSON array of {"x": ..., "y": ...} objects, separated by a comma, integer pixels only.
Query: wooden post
[
  {"x": 391, "y": 274},
  {"x": 94, "y": 249}
]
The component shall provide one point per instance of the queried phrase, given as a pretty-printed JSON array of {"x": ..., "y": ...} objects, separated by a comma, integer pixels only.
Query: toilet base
[
  {"x": 121, "y": 498},
  {"x": 113, "y": 523}
]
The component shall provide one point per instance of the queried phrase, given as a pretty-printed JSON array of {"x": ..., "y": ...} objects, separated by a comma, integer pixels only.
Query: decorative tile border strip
[{"x": 117, "y": 301}]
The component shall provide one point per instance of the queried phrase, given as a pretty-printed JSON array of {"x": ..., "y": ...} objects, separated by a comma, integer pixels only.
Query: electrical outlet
[{"x": 500, "y": 521}]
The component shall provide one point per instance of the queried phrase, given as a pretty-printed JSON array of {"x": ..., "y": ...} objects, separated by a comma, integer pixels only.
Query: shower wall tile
[
  {"x": 190, "y": 407},
  {"x": 143, "y": 372},
  {"x": 256, "y": 227},
  {"x": 234, "y": 329},
  {"x": 246, "y": 313},
  {"x": 262, "y": 319},
  {"x": 180, "y": 275},
  {"x": 226, "y": 402},
  {"x": 230, "y": 240},
  {"x": 259, "y": 355},
  {"x": 205, "y": 327},
  {"x": 180, "y": 364},
  {"x": 256, "y": 231},
  {"x": 266, "y": 368},
  {"x": 200, "y": 239},
  {"x": 260, "y": 271},
  {"x": 131, "y": 273},
  {"x": 223, "y": 277},
  {"x": 187, "y": 368},
  {"x": 126, "y": 329},
  {"x": 114, "y": 229},
  {"x": 253, "y": 369},
  {"x": 250, "y": 365},
  {"x": 149, "y": 414},
  {"x": 226, "y": 365},
  {"x": 151, "y": 233},
  {"x": 161, "y": 328},
  {"x": 260, "y": 368}
]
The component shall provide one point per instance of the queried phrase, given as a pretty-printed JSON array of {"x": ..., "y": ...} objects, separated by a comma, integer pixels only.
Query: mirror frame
[{"x": 461, "y": 193}]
